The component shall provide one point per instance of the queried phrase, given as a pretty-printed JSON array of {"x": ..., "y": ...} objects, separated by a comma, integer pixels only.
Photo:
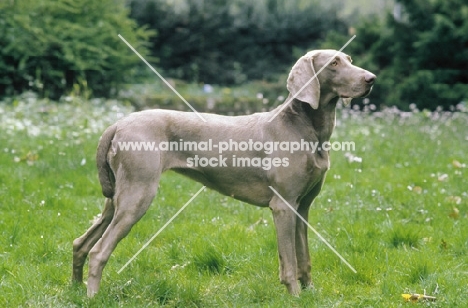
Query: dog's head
[{"x": 328, "y": 72}]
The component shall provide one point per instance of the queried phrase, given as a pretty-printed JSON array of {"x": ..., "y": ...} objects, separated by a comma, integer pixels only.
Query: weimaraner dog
[{"x": 129, "y": 178}]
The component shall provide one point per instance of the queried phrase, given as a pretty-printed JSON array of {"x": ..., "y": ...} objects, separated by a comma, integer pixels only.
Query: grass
[{"x": 399, "y": 216}]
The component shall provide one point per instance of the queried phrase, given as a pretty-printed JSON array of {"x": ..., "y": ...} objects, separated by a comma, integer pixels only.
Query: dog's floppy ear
[{"x": 300, "y": 83}]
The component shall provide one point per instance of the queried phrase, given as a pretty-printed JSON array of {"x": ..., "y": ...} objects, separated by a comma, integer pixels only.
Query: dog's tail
[{"x": 106, "y": 175}]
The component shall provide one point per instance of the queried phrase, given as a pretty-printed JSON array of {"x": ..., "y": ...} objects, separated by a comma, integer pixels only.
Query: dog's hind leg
[
  {"x": 83, "y": 244},
  {"x": 131, "y": 202}
]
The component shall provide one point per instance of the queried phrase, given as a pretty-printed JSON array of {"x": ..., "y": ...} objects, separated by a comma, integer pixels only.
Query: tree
[
  {"x": 230, "y": 42},
  {"x": 51, "y": 45},
  {"x": 420, "y": 57}
]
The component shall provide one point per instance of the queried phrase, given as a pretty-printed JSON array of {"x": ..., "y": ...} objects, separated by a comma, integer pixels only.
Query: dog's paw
[{"x": 294, "y": 289}]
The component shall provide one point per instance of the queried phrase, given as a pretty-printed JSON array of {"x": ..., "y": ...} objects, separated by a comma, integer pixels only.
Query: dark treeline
[
  {"x": 419, "y": 51},
  {"x": 229, "y": 42}
]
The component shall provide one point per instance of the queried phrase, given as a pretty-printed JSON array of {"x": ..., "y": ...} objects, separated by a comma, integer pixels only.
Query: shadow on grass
[{"x": 404, "y": 237}]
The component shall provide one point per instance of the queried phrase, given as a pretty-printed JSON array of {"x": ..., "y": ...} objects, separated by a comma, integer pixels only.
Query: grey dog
[{"x": 129, "y": 179}]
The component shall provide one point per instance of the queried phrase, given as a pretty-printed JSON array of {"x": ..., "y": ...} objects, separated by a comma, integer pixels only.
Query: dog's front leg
[
  {"x": 285, "y": 223},
  {"x": 302, "y": 247}
]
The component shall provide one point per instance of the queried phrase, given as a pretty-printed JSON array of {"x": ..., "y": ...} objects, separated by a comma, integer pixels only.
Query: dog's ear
[
  {"x": 303, "y": 83},
  {"x": 346, "y": 101}
]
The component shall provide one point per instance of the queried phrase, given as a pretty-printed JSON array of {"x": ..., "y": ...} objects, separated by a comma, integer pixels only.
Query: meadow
[{"x": 395, "y": 208}]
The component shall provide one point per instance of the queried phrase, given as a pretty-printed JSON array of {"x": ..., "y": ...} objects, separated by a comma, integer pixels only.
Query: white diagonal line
[
  {"x": 310, "y": 80},
  {"x": 162, "y": 78},
  {"x": 315, "y": 231},
  {"x": 160, "y": 230}
]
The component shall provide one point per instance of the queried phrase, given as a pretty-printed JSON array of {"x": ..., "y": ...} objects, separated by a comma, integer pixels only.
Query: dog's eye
[{"x": 334, "y": 63}]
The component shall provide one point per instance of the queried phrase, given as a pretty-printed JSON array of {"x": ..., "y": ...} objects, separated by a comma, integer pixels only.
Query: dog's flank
[{"x": 129, "y": 179}]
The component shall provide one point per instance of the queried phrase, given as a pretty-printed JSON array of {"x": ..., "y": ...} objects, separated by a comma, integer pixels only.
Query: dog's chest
[{"x": 317, "y": 166}]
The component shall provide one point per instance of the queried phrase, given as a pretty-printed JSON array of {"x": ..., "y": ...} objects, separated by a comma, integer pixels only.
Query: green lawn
[{"x": 395, "y": 208}]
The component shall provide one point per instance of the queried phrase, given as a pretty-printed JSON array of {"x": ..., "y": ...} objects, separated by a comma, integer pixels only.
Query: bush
[
  {"x": 246, "y": 99},
  {"x": 50, "y": 46},
  {"x": 419, "y": 57}
]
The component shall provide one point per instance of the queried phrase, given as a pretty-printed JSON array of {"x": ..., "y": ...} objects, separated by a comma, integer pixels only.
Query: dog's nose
[{"x": 369, "y": 77}]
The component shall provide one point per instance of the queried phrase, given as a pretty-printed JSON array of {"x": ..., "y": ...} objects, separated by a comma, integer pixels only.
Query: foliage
[
  {"x": 256, "y": 96},
  {"x": 52, "y": 46},
  {"x": 398, "y": 216},
  {"x": 420, "y": 57},
  {"x": 230, "y": 42}
]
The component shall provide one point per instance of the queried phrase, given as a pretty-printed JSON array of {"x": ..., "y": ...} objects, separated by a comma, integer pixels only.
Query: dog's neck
[{"x": 321, "y": 120}]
